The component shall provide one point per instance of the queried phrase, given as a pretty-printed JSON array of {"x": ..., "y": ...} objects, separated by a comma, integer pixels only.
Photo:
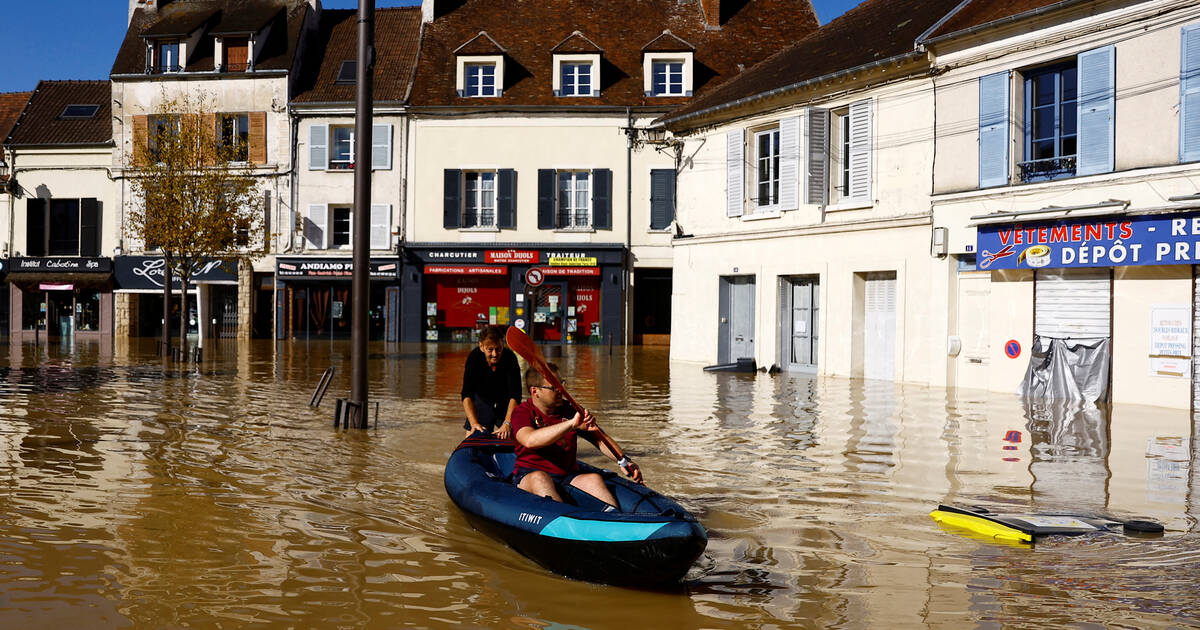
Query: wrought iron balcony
[{"x": 1049, "y": 168}]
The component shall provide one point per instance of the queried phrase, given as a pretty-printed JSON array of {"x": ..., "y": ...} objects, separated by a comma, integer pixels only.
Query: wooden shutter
[
  {"x": 1189, "y": 95},
  {"x": 318, "y": 147},
  {"x": 789, "y": 163},
  {"x": 35, "y": 227},
  {"x": 602, "y": 199},
  {"x": 209, "y": 123},
  {"x": 314, "y": 226},
  {"x": 662, "y": 198},
  {"x": 860, "y": 151},
  {"x": 993, "y": 130},
  {"x": 451, "y": 198},
  {"x": 381, "y": 147},
  {"x": 258, "y": 137},
  {"x": 506, "y": 198},
  {"x": 1097, "y": 80},
  {"x": 816, "y": 179},
  {"x": 546, "y": 177},
  {"x": 141, "y": 132},
  {"x": 735, "y": 175},
  {"x": 89, "y": 227},
  {"x": 381, "y": 225}
]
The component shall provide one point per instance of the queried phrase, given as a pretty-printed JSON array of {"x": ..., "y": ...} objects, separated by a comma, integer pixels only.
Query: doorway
[
  {"x": 735, "y": 330},
  {"x": 549, "y": 305},
  {"x": 799, "y": 308}
]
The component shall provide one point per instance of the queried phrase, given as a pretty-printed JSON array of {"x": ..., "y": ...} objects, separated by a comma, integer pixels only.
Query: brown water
[{"x": 213, "y": 497}]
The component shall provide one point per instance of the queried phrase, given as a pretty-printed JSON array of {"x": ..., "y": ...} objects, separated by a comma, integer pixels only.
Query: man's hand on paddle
[{"x": 586, "y": 422}]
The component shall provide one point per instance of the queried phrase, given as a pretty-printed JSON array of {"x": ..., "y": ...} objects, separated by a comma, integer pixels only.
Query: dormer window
[
  {"x": 576, "y": 75},
  {"x": 667, "y": 66},
  {"x": 667, "y": 77},
  {"x": 480, "y": 68},
  {"x": 480, "y": 80},
  {"x": 166, "y": 57},
  {"x": 236, "y": 54}
]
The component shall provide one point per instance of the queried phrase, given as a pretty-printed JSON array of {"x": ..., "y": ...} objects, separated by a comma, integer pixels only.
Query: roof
[
  {"x": 285, "y": 17},
  {"x": 576, "y": 43},
  {"x": 397, "y": 41},
  {"x": 11, "y": 106},
  {"x": 871, "y": 32},
  {"x": 41, "y": 124},
  {"x": 530, "y": 30},
  {"x": 980, "y": 12}
]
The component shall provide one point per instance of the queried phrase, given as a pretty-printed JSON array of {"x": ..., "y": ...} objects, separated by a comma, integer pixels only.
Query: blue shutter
[
  {"x": 993, "y": 130},
  {"x": 1189, "y": 95},
  {"x": 381, "y": 147},
  {"x": 546, "y": 177},
  {"x": 1097, "y": 92},
  {"x": 662, "y": 198},
  {"x": 451, "y": 198},
  {"x": 318, "y": 147},
  {"x": 789, "y": 163},
  {"x": 506, "y": 198},
  {"x": 735, "y": 151},
  {"x": 602, "y": 199}
]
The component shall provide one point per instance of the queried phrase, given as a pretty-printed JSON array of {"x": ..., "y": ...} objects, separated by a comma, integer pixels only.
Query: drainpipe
[
  {"x": 12, "y": 198},
  {"x": 629, "y": 134}
]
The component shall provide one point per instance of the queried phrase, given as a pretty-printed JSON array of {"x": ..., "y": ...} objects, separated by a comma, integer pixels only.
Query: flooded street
[{"x": 137, "y": 497}]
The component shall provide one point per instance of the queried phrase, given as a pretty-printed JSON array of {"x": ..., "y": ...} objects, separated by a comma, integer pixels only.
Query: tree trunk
[
  {"x": 166, "y": 318},
  {"x": 183, "y": 314}
]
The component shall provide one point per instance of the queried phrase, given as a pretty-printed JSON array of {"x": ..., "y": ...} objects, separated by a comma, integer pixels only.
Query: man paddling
[{"x": 547, "y": 446}]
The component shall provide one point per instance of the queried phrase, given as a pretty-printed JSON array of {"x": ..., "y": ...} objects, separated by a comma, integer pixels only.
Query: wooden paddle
[{"x": 524, "y": 346}]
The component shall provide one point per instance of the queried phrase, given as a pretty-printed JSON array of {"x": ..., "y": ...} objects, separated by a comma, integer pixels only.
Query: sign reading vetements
[{"x": 1116, "y": 241}]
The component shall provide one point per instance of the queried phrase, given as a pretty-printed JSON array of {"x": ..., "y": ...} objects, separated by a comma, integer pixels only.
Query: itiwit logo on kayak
[{"x": 526, "y": 517}]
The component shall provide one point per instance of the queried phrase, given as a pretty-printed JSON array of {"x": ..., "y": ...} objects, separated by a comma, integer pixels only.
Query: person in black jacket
[{"x": 491, "y": 386}]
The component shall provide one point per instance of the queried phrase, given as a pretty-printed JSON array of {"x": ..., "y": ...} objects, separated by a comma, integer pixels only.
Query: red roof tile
[
  {"x": 979, "y": 12},
  {"x": 873, "y": 31},
  {"x": 397, "y": 40},
  {"x": 11, "y": 105},
  {"x": 529, "y": 31},
  {"x": 577, "y": 43},
  {"x": 41, "y": 124}
]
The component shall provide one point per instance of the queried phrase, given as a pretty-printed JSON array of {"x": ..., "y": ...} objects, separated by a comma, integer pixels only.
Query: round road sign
[
  {"x": 1012, "y": 349},
  {"x": 534, "y": 277}
]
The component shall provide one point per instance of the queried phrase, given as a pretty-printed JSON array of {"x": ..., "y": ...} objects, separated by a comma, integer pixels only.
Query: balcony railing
[
  {"x": 1049, "y": 168},
  {"x": 236, "y": 67}
]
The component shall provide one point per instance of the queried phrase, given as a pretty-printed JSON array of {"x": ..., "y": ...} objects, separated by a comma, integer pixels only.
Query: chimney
[
  {"x": 134, "y": 5},
  {"x": 427, "y": 11},
  {"x": 712, "y": 13}
]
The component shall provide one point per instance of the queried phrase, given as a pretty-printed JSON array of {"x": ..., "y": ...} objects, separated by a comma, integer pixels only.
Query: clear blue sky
[{"x": 78, "y": 39}]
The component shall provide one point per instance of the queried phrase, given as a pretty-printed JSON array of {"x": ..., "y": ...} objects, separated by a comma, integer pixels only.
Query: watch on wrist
[{"x": 624, "y": 461}]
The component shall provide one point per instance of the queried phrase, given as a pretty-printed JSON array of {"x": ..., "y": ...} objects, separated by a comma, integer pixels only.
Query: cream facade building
[{"x": 1065, "y": 187}]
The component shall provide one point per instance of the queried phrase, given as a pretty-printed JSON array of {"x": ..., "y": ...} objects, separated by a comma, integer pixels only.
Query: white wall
[{"x": 69, "y": 173}]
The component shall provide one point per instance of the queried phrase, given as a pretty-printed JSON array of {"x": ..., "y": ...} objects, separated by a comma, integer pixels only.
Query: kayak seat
[{"x": 497, "y": 464}]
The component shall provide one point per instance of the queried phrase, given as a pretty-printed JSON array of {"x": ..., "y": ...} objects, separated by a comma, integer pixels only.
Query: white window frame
[
  {"x": 649, "y": 60},
  {"x": 331, "y": 232},
  {"x": 162, "y": 68},
  {"x": 773, "y": 164},
  {"x": 480, "y": 204},
  {"x": 238, "y": 116},
  {"x": 465, "y": 61},
  {"x": 571, "y": 211},
  {"x": 593, "y": 63},
  {"x": 349, "y": 162}
]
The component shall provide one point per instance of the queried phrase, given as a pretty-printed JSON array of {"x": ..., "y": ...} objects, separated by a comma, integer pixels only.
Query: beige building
[
  {"x": 1067, "y": 152},
  {"x": 804, "y": 211}
]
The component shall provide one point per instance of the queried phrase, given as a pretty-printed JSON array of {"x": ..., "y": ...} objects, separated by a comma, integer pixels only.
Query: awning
[{"x": 29, "y": 280}]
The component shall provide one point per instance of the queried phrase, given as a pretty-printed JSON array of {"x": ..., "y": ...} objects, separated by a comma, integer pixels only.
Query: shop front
[
  {"x": 212, "y": 297},
  {"x": 1096, "y": 308},
  {"x": 554, "y": 294},
  {"x": 60, "y": 299},
  {"x": 314, "y": 298}
]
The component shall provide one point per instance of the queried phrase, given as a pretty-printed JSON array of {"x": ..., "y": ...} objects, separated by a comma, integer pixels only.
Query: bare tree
[{"x": 197, "y": 199}]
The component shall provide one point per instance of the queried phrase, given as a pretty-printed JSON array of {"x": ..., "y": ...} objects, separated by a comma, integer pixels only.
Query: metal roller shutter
[{"x": 1073, "y": 304}]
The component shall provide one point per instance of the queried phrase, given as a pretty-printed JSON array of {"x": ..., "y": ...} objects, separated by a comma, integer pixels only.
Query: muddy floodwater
[{"x": 138, "y": 496}]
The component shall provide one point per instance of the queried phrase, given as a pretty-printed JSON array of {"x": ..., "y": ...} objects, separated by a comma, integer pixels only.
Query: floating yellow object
[{"x": 982, "y": 526}]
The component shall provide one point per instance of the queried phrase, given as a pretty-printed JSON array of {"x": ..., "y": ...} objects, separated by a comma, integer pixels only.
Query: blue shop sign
[{"x": 1093, "y": 242}]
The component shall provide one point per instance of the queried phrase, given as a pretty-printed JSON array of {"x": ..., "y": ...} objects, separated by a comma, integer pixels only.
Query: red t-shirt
[{"x": 558, "y": 458}]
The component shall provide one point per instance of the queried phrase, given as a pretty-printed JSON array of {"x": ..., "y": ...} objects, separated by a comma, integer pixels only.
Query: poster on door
[
  {"x": 464, "y": 302},
  {"x": 585, "y": 297},
  {"x": 1170, "y": 340}
]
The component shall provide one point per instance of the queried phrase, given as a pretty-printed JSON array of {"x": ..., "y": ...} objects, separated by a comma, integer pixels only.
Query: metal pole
[
  {"x": 360, "y": 288},
  {"x": 630, "y": 134}
]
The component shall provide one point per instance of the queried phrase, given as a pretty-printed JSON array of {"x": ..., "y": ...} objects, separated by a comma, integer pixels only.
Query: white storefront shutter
[
  {"x": 1097, "y": 92},
  {"x": 993, "y": 130},
  {"x": 860, "y": 152},
  {"x": 1073, "y": 304},
  {"x": 734, "y": 172}
]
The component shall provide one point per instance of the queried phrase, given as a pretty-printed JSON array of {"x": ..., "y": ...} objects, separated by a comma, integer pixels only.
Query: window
[
  {"x": 479, "y": 199},
  {"x": 766, "y": 167},
  {"x": 235, "y": 137},
  {"x": 342, "y": 155},
  {"x": 161, "y": 129},
  {"x": 237, "y": 54},
  {"x": 340, "y": 227},
  {"x": 576, "y": 79},
  {"x": 668, "y": 78},
  {"x": 167, "y": 57},
  {"x": 574, "y": 200},
  {"x": 347, "y": 74},
  {"x": 480, "y": 80},
  {"x": 1052, "y": 109},
  {"x": 79, "y": 111},
  {"x": 62, "y": 227},
  {"x": 843, "y": 154},
  {"x": 848, "y": 162}
]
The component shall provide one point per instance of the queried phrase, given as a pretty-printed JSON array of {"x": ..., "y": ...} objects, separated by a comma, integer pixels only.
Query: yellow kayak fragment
[{"x": 982, "y": 526}]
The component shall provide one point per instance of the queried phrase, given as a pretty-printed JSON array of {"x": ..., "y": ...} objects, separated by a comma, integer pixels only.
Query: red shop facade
[{"x": 564, "y": 294}]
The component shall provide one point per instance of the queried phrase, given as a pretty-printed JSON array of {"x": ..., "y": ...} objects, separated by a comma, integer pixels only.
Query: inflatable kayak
[{"x": 652, "y": 540}]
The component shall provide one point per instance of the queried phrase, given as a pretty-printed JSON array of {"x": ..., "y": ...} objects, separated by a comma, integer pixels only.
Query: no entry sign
[{"x": 534, "y": 277}]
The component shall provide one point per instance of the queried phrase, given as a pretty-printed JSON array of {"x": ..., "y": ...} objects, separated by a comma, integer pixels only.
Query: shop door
[
  {"x": 549, "y": 312},
  {"x": 225, "y": 311},
  {"x": 60, "y": 314},
  {"x": 974, "y": 326},
  {"x": 1072, "y": 304},
  {"x": 799, "y": 302},
  {"x": 879, "y": 326},
  {"x": 735, "y": 331}
]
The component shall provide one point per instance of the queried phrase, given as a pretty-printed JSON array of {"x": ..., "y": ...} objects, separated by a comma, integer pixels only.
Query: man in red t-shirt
[{"x": 546, "y": 444}]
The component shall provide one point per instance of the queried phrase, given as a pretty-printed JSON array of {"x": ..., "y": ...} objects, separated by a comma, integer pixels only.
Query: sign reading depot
[{"x": 1093, "y": 242}]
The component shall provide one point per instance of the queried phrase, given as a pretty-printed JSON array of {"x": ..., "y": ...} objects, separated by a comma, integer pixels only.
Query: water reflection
[{"x": 142, "y": 496}]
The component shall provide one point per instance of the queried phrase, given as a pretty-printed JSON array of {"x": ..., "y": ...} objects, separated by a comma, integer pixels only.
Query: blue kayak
[{"x": 651, "y": 541}]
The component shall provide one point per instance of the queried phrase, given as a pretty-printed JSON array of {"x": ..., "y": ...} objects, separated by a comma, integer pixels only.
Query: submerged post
[{"x": 360, "y": 287}]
